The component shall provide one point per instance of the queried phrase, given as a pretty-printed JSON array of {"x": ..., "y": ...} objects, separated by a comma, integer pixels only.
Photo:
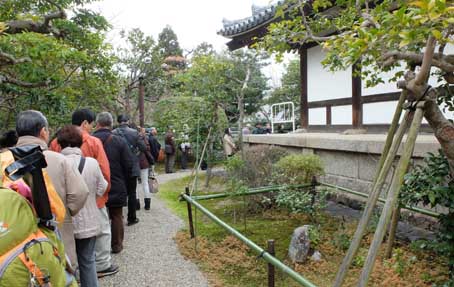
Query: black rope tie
[{"x": 261, "y": 254}]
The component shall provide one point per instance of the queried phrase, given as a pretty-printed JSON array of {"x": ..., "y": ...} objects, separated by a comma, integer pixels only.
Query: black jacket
[
  {"x": 155, "y": 146},
  {"x": 121, "y": 164},
  {"x": 135, "y": 144}
]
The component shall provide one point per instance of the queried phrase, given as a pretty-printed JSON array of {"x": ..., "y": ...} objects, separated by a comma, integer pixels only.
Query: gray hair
[
  {"x": 30, "y": 123},
  {"x": 104, "y": 119}
]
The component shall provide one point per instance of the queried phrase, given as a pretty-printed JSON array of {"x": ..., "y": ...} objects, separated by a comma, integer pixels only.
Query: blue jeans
[{"x": 85, "y": 249}]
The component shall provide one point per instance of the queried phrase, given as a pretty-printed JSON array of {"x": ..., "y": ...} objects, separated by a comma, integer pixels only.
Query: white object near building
[{"x": 283, "y": 113}]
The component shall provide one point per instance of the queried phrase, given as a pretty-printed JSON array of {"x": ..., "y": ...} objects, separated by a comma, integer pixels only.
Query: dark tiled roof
[{"x": 260, "y": 15}]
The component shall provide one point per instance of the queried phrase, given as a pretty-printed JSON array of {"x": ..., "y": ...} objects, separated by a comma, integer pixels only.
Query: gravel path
[{"x": 150, "y": 256}]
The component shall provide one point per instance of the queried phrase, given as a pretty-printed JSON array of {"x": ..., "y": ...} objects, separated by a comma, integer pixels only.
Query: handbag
[
  {"x": 161, "y": 155},
  {"x": 153, "y": 184}
]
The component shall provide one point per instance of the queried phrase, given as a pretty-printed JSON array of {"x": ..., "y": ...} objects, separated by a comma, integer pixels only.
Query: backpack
[
  {"x": 31, "y": 252},
  {"x": 133, "y": 148}
]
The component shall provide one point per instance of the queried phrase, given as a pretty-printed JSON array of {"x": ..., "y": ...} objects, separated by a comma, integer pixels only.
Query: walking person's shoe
[
  {"x": 132, "y": 222},
  {"x": 147, "y": 203},
  {"x": 113, "y": 269}
]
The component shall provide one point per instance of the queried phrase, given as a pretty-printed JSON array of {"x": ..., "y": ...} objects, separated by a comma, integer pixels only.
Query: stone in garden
[
  {"x": 300, "y": 244},
  {"x": 317, "y": 256}
]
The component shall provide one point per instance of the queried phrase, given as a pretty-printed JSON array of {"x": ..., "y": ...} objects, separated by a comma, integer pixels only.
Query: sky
[{"x": 193, "y": 21}]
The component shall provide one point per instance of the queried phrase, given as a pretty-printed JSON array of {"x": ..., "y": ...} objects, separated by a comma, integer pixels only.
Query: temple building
[{"x": 330, "y": 101}]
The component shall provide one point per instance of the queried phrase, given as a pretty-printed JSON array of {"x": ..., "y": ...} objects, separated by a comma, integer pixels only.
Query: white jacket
[
  {"x": 86, "y": 223},
  {"x": 229, "y": 145}
]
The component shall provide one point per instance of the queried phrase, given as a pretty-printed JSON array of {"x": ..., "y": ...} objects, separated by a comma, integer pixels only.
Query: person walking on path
[
  {"x": 121, "y": 165},
  {"x": 229, "y": 145},
  {"x": 32, "y": 129},
  {"x": 170, "y": 150},
  {"x": 146, "y": 160},
  {"x": 92, "y": 147},
  {"x": 136, "y": 145},
  {"x": 155, "y": 146},
  {"x": 86, "y": 222}
]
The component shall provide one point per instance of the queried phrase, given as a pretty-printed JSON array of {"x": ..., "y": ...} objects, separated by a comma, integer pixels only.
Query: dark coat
[
  {"x": 146, "y": 159},
  {"x": 170, "y": 140},
  {"x": 135, "y": 144},
  {"x": 121, "y": 165},
  {"x": 155, "y": 146}
]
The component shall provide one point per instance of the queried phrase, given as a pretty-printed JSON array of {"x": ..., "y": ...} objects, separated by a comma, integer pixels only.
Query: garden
[{"x": 275, "y": 215}]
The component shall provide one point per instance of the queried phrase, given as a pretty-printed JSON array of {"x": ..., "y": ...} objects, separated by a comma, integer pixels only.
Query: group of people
[
  {"x": 97, "y": 171},
  {"x": 171, "y": 148},
  {"x": 258, "y": 130}
]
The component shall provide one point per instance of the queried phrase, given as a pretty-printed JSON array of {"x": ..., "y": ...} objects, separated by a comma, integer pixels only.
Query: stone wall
[{"x": 350, "y": 160}]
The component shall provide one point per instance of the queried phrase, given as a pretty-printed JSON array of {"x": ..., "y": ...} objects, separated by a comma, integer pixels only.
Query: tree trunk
[
  {"x": 241, "y": 108},
  {"x": 240, "y": 124},
  {"x": 211, "y": 146},
  {"x": 443, "y": 130}
]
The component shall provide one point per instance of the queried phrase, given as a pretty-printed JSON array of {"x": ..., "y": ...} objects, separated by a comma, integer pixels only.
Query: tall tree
[
  {"x": 168, "y": 43},
  {"x": 45, "y": 56},
  {"x": 290, "y": 88},
  {"x": 140, "y": 59}
]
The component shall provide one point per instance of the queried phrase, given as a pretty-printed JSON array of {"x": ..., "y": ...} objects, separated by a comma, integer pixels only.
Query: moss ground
[{"x": 228, "y": 262}]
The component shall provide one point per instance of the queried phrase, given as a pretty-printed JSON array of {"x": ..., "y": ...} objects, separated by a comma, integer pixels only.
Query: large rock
[{"x": 300, "y": 244}]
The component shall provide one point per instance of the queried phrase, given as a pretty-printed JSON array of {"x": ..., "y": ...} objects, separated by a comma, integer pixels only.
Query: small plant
[
  {"x": 301, "y": 201},
  {"x": 298, "y": 168},
  {"x": 432, "y": 184},
  {"x": 341, "y": 239},
  {"x": 314, "y": 236},
  {"x": 359, "y": 260}
]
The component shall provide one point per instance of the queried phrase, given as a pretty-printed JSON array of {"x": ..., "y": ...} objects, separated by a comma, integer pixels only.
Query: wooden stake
[
  {"x": 392, "y": 232},
  {"x": 393, "y": 194},
  {"x": 390, "y": 155}
]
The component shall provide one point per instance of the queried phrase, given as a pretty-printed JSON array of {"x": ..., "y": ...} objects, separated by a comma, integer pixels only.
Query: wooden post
[
  {"x": 392, "y": 232},
  {"x": 304, "y": 109},
  {"x": 357, "y": 106},
  {"x": 328, "y": 116},
  {"x": 271, "y": 279},
  {"x": 141, "y": 102},
  {"x": 191, "y": 223}
]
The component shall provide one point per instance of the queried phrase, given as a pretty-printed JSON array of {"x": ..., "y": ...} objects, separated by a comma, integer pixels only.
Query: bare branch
[
  {"x": 424, "y": 73},
  {"x": 10, "y": 80},
  {"x": 443, "y": 62},
  {"x": 7, "y": 59},
  {"x": 45, "y": 27}
]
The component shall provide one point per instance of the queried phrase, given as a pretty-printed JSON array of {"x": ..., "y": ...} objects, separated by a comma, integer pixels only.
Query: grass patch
[{"x": 229, "y": 262}]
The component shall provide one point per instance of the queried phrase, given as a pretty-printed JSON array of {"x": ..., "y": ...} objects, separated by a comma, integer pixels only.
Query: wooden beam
[
  {"x": 377, "y": 98},
  {"x": 304, "y": 108},
  {"x": 357, "y": 106}
]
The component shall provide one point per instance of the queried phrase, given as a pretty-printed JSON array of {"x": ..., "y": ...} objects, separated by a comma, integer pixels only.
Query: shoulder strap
[
  {"x": 108, "y": 140},
  {"x": 82, "y": 164}
]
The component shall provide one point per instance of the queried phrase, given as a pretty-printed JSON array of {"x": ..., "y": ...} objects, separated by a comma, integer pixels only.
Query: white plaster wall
[
  {"x": 378, "y": 113},
  {"x": 326, "y": 85},
  {"x": 317, "y": 116},
  {"x": 323, "y": 84},
  {"x": 341, "y": 115}
]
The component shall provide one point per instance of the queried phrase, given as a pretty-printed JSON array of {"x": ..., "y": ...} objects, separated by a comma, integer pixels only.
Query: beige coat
[
  {"x": 86, "y": 222},
  {"x": 69, "y": 184},
  {"x": 229, "y": 145}
]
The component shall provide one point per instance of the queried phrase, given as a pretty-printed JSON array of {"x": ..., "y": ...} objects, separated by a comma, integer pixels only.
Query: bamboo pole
[
  {"x": 393, "y": 194},
  {"x": 391, "y": 132},
  {"x": 392, "y": 232},
  {"x": 254, "y": 247},
  {"x": 372, "y": 201}
]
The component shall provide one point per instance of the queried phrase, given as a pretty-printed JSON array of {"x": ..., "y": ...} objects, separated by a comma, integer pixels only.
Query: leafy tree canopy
[{"x": 168, "y": 43}]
